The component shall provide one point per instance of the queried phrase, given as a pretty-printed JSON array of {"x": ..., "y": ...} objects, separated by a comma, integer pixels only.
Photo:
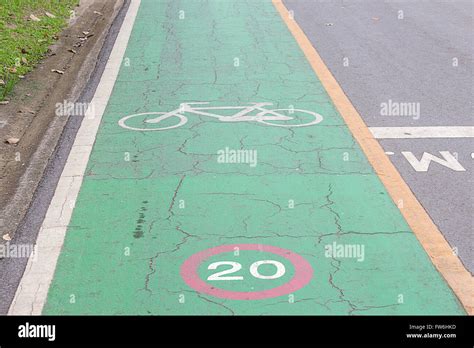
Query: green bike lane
[{"x": 163, "y": 225}]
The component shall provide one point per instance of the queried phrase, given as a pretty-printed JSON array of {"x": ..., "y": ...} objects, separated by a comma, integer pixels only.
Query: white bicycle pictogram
[{"x": 255, "y": 112}]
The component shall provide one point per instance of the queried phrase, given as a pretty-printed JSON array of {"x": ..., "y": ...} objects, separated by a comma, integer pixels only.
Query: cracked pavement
[{"x": 150, "y": 200}]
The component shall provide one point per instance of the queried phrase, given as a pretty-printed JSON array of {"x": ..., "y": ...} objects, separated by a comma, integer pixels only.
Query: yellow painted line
[{"x": 438, "y": 249}]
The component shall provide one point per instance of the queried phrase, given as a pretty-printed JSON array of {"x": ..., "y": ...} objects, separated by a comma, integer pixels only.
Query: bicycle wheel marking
[
  {"x": 263, "y": 116},
  {"x": 303, "y": 272},
  {"x": 123, "y": 121}
]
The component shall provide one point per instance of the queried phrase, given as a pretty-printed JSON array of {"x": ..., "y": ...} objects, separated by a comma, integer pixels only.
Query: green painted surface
[{"x": 136, "y": 221}]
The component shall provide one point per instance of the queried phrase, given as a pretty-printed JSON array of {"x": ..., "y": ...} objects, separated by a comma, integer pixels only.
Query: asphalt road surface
[
  {"x": 408, "y": 52},
  {"x": 160, "y": 195}
]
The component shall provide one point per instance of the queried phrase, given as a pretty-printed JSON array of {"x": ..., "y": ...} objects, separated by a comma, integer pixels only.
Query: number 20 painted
[{"x": 235, "y": 267}]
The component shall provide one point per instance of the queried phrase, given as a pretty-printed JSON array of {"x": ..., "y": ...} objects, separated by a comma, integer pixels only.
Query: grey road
[{"x": 409, "y": 64}]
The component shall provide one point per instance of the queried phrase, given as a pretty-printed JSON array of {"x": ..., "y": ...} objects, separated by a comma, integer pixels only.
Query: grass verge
[{"x": 27, "y": 29}]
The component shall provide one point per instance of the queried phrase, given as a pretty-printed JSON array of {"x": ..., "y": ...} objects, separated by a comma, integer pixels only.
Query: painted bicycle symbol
[{"x": 255, "y": 112}]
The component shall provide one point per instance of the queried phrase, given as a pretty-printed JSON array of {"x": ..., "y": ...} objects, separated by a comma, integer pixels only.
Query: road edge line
[
  {"x": 427, "y": 233},
  {"x": 31, "y": 294},
  {"x": 436, "y": 132}
]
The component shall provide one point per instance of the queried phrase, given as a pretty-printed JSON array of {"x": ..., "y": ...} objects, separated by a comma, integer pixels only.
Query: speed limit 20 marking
[
  {"x": 303, "y": 272},
  {"x": 236, "y": 266}
]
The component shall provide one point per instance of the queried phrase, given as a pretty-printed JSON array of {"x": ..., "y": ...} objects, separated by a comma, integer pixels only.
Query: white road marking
[
  {"x": 262, "y": 115},
  {"x": 422, "y": 165},
  {"x": 32, "y": 291},
  {"x": 421, "y": 132}
]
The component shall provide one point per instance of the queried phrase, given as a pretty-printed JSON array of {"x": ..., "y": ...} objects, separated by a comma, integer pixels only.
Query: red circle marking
[{"x": 302, "y": 276}]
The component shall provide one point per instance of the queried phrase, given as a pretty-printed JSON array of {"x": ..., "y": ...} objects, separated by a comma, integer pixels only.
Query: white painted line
[
  {"x": 421, "y": 132},
  {"x": 32, "y": 291}
]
